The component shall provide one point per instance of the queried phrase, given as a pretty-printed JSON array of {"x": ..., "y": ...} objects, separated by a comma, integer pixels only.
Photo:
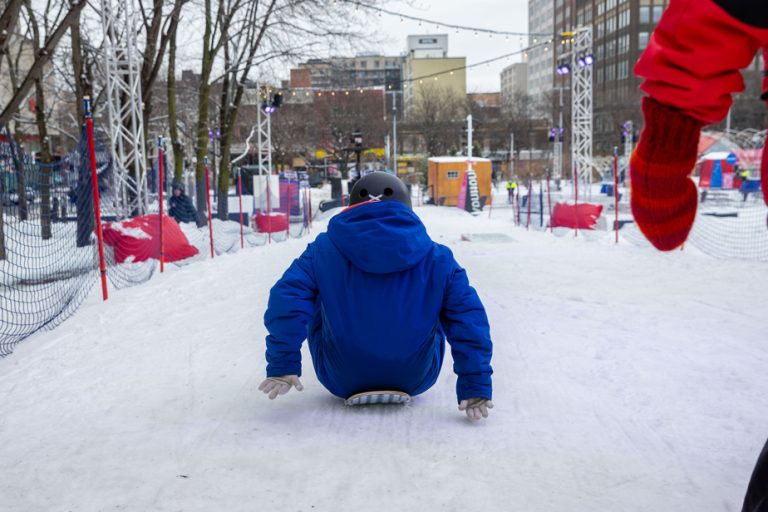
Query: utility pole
[
  {"x": 394, "y": 129},
  {"x": 469, "y": 140}
]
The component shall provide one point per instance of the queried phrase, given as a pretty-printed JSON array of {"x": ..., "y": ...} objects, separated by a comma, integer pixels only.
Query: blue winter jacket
[{"x": 376, "y": 297}]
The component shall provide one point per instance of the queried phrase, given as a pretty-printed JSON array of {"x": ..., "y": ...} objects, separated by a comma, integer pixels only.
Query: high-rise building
[
  {"x": 427, "y": 66},
  {"x": 540, "y": 24},
  {"x": 620, "y": 32},
  {"x": 514, "y": 80}
]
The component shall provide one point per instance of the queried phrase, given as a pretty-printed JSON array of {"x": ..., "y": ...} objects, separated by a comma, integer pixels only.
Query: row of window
[
  {"x": 607, "y": 5},
  {"x": 612, "y": 48},
  {"x": 611, "y": 72},
  {"x": 612, "y": 23},
  {"x": 646, "y": 11}
]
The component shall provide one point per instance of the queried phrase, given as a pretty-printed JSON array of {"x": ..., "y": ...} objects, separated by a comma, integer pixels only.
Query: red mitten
[{"x": 664, "y": 198}]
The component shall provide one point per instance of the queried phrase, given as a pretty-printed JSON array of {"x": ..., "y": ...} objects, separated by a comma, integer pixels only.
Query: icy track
[{"x": 625, "y": 380}]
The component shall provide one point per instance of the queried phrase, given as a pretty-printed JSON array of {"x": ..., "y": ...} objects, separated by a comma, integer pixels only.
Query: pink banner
[{"x": 462, "y": 200}]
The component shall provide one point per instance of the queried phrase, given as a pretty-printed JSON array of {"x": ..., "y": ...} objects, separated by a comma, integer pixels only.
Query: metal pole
[
  {"x": 208, "y": 200},
  {"x": 616, "y": 191},
  {"x": 469, "y": 140},
  {"x": 394, "y": 131},
  {"x": 240, "y": 195},
  {"x": 160, "y": 198},
  {"x": 95, "y": 187},
  {"x": 549, "y": 205}
]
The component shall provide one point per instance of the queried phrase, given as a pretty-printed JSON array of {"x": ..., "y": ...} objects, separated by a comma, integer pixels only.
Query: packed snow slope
[{"x": 625, "y": 380}]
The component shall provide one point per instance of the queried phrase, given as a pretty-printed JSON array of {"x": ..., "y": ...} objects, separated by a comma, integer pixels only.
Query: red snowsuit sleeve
[{"x": 694, "y": 58}]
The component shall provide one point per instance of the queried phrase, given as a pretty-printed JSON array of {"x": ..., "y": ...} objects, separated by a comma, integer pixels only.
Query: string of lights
[
  {"x": 439, "y": 24},
  {"x": 346, "y": 91}
]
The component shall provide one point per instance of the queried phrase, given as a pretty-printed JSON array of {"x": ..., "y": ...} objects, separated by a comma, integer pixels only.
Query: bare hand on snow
[
  {"x": 280, "y": 385},
  {"x": 476, "y": 407}
]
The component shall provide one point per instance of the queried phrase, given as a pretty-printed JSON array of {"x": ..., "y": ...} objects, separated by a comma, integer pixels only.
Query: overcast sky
[
  {"x": 506, "y": 15},
  {"x": 503, "y": 15}
]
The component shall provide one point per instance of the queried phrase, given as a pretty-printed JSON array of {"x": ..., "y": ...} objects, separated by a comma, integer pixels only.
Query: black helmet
[{"x": 379, "y": 186}]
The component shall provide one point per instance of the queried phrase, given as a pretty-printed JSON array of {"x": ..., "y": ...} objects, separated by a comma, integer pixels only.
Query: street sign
[{"x": 731, "y": 159}]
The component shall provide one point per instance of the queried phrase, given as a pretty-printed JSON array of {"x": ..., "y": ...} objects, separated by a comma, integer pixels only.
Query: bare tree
[
  {"x": 438, "y": 115},
  {"x": 239, "y": 55},
  {"x": 337, "y": 115},
  {"x": 173, "y": 119},
  {"x": 42, "y": 58},
  {"x": 159, "y": 28}
]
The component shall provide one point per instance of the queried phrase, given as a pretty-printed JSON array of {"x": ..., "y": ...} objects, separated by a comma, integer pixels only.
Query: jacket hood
[{"x": 380, "y": 237}]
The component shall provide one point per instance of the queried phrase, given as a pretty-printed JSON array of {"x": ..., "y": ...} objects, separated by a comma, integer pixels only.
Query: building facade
[
  {"x": 364, "y": 70},
  {"x": 427, "y": 66},
  {"x": 514, "y": 80},
  {"x": 541, "y": 23},
  {"x": 621, "y": 30}
]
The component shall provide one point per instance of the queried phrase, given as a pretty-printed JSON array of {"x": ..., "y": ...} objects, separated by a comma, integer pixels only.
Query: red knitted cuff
[{"x": 668, "y": 136}]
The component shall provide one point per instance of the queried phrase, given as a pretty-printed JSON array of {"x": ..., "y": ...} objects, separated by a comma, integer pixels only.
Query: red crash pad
[
  {"x": 138, "y": 239},
  {"x": 582, "y": 216},
  {"x": 273, "y": 223}
]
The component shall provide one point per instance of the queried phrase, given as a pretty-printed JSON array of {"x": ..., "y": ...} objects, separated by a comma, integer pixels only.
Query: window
[
  {"x": 452, "y": 175},
  {"x": 642, "y": 40},
  {"x": 657, "y": 10},
  {"x": 624, "y": 18},
  {"x": 623, "y": 70},
  {"x": 645, "y": 14},
  {"x": 376, "y": 64}
]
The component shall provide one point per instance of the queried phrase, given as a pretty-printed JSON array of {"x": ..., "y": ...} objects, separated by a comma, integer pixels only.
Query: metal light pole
[{"x": 394, "y": 128}]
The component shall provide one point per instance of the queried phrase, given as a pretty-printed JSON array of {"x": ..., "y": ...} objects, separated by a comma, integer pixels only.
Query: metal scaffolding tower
[
  {"x": 120, "y": 24},
  {"x": 264, "y": 138},
  {"x": 581, "y": 108}
]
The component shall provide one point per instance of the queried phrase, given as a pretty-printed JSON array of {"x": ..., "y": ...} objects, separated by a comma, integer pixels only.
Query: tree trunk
[
  {"x": 2, "y": 235},
  {"x": 202, "y": 120},
  {"x": 21, "y": 177},
  {"x": 77, "y": 67},
  {"x": 178, "y": 147},
  {"x": 224, "y": 169},
  {"x": 83, "y": 192},
  {"x": 45, "y": 161}
]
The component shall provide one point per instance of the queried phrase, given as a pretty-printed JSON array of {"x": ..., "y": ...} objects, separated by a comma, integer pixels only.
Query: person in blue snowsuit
[{"x": 376, "y": 298}]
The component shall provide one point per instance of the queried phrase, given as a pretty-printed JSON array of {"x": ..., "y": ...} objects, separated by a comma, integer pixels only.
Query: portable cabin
[{"x": 445, "y": 174}]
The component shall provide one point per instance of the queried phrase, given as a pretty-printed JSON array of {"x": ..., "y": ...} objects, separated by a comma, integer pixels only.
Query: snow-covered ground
[{"x": 625, "y": 380}]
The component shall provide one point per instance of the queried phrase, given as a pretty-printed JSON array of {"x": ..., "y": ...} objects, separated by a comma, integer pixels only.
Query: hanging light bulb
[
  {"x": 475, "y": 33},
  {"x": 401, "y": 19}
]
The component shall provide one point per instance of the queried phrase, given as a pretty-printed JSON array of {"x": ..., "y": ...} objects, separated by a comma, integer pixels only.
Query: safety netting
[
  {"x": 49, "y": 251},
  {"x": 48, "y": 259}
]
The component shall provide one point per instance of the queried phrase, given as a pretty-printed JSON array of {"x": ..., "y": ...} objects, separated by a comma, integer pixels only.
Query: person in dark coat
[
  {"x": 180, "y": 206},
  {"x": 756, "y": 499},
  {"x": 376, "y": 298}
]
